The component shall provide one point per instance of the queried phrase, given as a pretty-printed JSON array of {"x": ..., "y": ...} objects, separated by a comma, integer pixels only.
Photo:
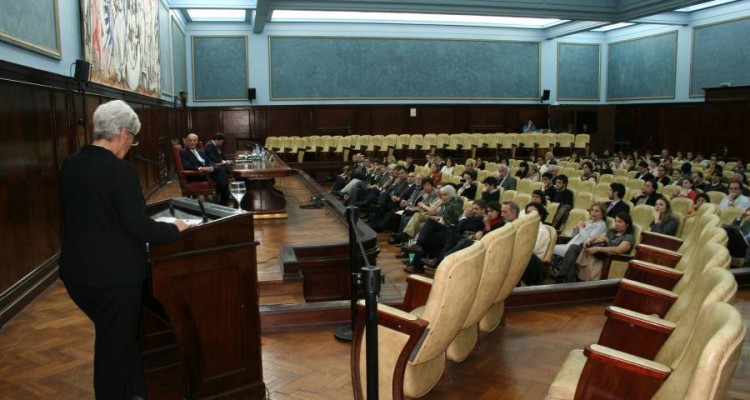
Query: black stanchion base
[{"x": 343, "y": 333}]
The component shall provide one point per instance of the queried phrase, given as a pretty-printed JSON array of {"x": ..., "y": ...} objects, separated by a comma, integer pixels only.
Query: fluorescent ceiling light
[
  {"x": 385, "y": 17},
  {"x": 704, "y": 5},
  {"x": 206, "y": 14},
  {"x": 612, "y": 27}
]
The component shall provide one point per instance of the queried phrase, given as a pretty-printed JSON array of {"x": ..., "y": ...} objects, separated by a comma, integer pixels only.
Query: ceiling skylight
[
  {"x": 214, "y": 15},
  {"x": 704, "y": 5},
  {"x": 611, "y": 27},
  {"x": 384, "y": 17}
]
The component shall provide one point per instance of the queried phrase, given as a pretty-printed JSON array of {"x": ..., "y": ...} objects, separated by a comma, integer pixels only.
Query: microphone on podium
[{"x": 168, "y": 177}]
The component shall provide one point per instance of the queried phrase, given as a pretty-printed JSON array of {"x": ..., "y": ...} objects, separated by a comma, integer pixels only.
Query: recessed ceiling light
[
  {"x": 208, "y": 14},
  {"x": 704, "y": 5},
  {"x": 384, "y": 17},
  {"x": 612, "y": 27}
]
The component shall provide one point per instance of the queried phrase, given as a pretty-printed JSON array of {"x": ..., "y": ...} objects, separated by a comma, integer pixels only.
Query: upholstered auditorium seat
[
  {"x": 681, "y": 204},
  {"x": 583, "y": 200},
  {"x": 693, "y": 227},
  {"x": 716, "y": 197},
  {"x": 729, "y": 214},
  {"x": 581, "y": 143},
  {"x": 709, "y": 359},
  {"x": 643, "y": 215},
  {"x": 412, "y": 343},
  {"x": 616, "y": 265},
  {"x": 649, "y": 299},
  {"x": 527, "y": 228},
  {"x": 498, "y": 246},
  {"x": 665, "y": 269},
  {"x": 189, "y": 188},
  {"x": 575, "y": 217}
]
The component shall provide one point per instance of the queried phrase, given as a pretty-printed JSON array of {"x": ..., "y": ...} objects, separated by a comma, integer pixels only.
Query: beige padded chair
[
  {"x": 415, "y": 144},
  {"x": 710, "y": 357},
  {"x": 635, "y": 184},
  {"x": 643, "y": 215},
  {"x": 575, "y": 217},
  {"x": 522, "y": 199},
  {"x": 388, "y": 145},
  {"x": 587, "y": 186},
  {"x": 616, "y": 265},
  {"x": 272, "y": 143},
  {"x": 527, "y": 228},
  {"x": 524, "y": 186},
  {"x": 498, "y": 246},
  {"x": 664, "y": 268},
  {"x": 547, "y": 259},
  {"x": 691, "y": 231},
  {"x": 601, "y": 192},
  {"x": 412, "y": 344},
  {"x": 681, "y": 204},
  {"x": 442, "y": 141},
  {"x": 729, "y": 214},
  {"x": 583, "y": 200},
  {"x": 606, "y": 178},
  {"x": 670, "y": 190},
  {"x": 565, "y": 142},
  {"x": 551, "y": 211},
  {"x": 581, "y": 143},
  {"x": 716, "y": 197},
  {"x": 508, "y": 195},
  {"x": 653, "y": 300}
]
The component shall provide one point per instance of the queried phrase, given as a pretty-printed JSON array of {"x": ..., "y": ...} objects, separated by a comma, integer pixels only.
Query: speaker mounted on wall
[
  {"x": 545, "y": 95},
  {"x": 83, "y": 71},
  {"x": 251, "y": 94}
]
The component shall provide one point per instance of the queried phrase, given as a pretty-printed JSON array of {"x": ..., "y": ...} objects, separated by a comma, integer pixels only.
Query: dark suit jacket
[
  {"x": 646, "y": 177},
  {"x": 618, "y": 208},
  {"x": 191, "y": 162},
  {"x": 508, "y": 184},
  {"x": 105, "y": 223},
  {"x": 214, "y": 153},
  {"x": 469, "y": 192}
]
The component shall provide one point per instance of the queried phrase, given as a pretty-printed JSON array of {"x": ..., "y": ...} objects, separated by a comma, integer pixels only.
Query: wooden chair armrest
[
  {"x": 653, "y": 274},
  {"x": 643, "y": 298},
  {"x": 634, "y": 333},
  {"x": 661, "y": 240},
  {"x": 395, "y": 320},
  {"x": 656, "y": 255},
  {"x": 636, "y": 377},
  {"x": 417, "y": 290}
]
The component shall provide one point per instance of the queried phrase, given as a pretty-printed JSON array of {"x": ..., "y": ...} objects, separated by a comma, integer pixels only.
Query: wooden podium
[{"x": 205, "y": 289}]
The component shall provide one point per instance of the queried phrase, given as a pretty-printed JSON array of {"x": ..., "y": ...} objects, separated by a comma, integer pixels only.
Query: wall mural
[{"x": 121, "y": 41}]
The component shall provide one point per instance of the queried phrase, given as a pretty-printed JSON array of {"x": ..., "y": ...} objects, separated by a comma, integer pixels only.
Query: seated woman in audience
[
  {"x": 664, "y": 222},
  {"x": 448, "y": 167},
  {"x": 588, "y": 171},
  {"x": 435, "y": 174},
  {"x": 573, "y": 157},
  {"x": 675, "y": 174},
  {"x": 490, "y": 192},
  {"x": 700, "y": 200},
  {"x": 479, "y": 164},
  {"x": 564, "y": 268},
  {"x": 523, "y": 170},
  {"x": 534, "y": 174},
  {"x": 679, "y": 158},
  {"x": 618, "y": 240},
  {"x": 687, "y": 190}
]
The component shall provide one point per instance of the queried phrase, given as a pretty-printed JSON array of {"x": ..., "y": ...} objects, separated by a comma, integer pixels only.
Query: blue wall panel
[
  {"x": 643, "y": 68},
  {"x": 179, "y": 59},
  {"x": 721, "y": 54},
  {"x": 578, "y": 71},
  {"x": 165, "y": 55},
  {"x": 32, "y": 24},
  {"x": 220, "y": 68},
  {"x": 381, "y": 68}
]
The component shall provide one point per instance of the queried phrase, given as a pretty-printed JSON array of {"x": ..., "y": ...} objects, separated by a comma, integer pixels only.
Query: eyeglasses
[{"x": 135, "y": 140}]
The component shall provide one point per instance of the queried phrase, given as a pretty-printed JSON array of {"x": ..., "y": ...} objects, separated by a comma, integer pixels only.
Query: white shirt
[
  {"x": 741, "y": 201},
  {"x": 542, "y": 241},
  {"x": 198, "y": 156}
]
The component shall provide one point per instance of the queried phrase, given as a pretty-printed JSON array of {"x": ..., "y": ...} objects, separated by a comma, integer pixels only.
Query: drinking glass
[{"x": 238, "y": 190}]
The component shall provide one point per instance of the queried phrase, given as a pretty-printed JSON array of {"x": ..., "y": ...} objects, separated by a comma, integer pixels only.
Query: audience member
[
  {"x": 616, "y": 205},
  {"x": 505, "y": 181},
  {"x": 715, "y": 184},
  {"x": 647, "y": 195},
  {"x": 735, "y": 198},
  {"x": 435, "y": 173},
  {"x": 687, "y": 190},
  {"x": 448, "y": 167},
  {"x": 588, "y": 171},
  {"x": 490, "y": 192},
  {"x": 664, "y": 222},
  {"x": 563, "y": 195},
  {"x": 643, "y": 172},
  {"x": 214, "y": 151},
  {"x": 618, "y": 240},
  {"x": 700, "y": 200},
  {"x": 535, "y": 272},
  {"x": 468, "y": 187}
]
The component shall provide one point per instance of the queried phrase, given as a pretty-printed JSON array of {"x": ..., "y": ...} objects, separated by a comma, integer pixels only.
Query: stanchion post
[{"x": 345, "y": 333}]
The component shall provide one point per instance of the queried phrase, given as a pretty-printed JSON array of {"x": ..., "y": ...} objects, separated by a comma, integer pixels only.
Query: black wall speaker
[
  {"x": 545, "y": 95},
  {"x": 83, "y": 69},
  {"x": 251, "y": 93}
]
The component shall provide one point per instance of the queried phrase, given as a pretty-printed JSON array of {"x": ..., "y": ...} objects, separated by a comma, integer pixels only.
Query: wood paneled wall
[{"x": 42, "y": 118}]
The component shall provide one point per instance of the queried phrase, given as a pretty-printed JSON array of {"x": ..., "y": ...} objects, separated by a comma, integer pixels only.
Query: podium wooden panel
[{"x": 206, "y": 284}]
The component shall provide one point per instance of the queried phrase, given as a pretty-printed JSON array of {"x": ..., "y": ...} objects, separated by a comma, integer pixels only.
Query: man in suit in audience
[
  {"x": 715, "y": 184},
  {"x": 616, "y": 205},
  {"x": 505, "y": 181},
  {"x": 490, "y": 191},
  {"x": 214, "y": 151},
  {"x": 194, "y": 159},
  {"x": 643, "y": 172},
  {"x": 739, "y": 237},
  {"x": 698, "y": 182}
]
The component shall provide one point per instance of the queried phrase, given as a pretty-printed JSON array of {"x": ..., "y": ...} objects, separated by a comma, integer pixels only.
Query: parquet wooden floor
[{"x": 46, "y": 353}]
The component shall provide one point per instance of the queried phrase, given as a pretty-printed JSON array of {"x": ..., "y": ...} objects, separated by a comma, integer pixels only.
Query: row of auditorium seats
[
  {"x": 440, "y": 319},
  {"x": 670, "y": 333},
  {"x": 461, "y": 145}
]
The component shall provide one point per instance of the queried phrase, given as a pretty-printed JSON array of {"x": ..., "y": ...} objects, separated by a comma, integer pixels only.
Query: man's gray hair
[{"x": 111, "y": 117}]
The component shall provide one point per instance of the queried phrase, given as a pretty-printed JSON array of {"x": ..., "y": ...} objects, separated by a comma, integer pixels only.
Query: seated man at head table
[
  {"x": 214, "y": 150},
  {"x": 194, "y": 159}
]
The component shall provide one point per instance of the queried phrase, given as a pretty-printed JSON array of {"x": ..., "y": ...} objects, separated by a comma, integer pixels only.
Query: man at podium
[{"x": 103, "y": 258}]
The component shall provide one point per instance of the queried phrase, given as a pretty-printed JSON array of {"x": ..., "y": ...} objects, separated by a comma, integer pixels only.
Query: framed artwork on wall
[
  {"x": 32, "y": 24},
  {"x": 121, "y": 41}
]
